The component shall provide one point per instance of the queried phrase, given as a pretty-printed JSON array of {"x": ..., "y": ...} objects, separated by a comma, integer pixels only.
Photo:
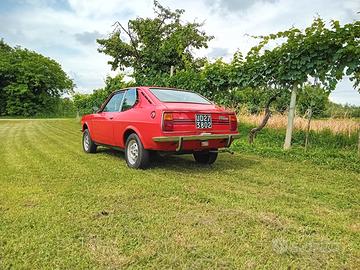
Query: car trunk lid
[{"x": 198, "y": 118}]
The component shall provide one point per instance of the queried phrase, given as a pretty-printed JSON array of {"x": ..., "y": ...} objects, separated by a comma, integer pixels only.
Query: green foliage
[
  {"x": 253, "y": 100},
  {"x": 84, "y": 103},
  {"x": 314, "y": 98},
  {"x": 271, "y": 68},
  {"x": 279, "y": 62},
  {"x": 342, "y": 111},
  {"x": 65, "y": 107},
  {"x": 153, "y": 45},
  {"x": 318, "y": 51},
  {"x": 217, "y": 84},
  {"x": 29, "y": 82}
]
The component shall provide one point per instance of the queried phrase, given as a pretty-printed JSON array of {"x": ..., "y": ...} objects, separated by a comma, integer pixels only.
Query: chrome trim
[
  {"x": 228, "y": 142},
  {"x": 181, "y": 139},
  {"x": 178, "y": 148}
]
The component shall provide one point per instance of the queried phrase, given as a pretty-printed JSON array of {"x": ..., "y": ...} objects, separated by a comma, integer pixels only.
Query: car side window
[
  {"x": 114, "y": 104},
  {"x": 130, "y": 99}
]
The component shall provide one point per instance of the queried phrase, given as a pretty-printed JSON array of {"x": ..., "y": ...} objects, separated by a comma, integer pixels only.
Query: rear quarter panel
[{"x": 141, "y": 122}]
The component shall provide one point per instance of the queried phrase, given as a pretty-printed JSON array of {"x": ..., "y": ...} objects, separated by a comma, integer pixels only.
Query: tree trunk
[
  {"x": 254, "y": 131},
  {"x": 308, "y": 128},
  {"x": 291, "y": 116},
  {"x": 171, "y": 71}
]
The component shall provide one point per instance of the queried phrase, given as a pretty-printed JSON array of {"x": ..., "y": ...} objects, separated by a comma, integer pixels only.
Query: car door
[
  {"x": 126, "y": 117},
  {"x": 103, "y": 121}
]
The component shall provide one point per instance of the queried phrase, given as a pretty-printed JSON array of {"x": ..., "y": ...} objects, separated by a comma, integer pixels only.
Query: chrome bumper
[{"x": 205, "y": 137}]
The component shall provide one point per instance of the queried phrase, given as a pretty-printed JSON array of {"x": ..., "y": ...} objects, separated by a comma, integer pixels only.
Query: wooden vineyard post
[
  {"x": 309, "y": 113},
  {"x": 291, "y": 116}
]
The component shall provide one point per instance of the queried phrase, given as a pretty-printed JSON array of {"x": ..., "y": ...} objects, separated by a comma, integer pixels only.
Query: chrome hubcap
[
  {"x": 132, "y": 152},
  {"x": 86, "y": 141}
]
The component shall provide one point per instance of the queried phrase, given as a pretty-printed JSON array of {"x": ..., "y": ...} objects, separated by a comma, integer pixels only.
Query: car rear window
[{"x": 173, "y": 95}]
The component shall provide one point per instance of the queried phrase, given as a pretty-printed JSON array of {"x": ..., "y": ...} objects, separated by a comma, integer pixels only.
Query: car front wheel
[
  {"x": 88, "y": 145},
  {"x": 206, "y": 157},
  {"x": 136, "y": 156}
]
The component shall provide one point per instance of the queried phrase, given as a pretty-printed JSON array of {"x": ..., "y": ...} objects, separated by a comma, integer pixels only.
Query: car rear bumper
[{"x": 205, "y": 137}]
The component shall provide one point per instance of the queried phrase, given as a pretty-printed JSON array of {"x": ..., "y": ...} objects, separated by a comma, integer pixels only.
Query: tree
[
  {"x": 29, "y": 82},
  {"x": 216, "y": 82},
  {"x": 150, "y": 46},
  {"x": 342, "y": 111},
  {"x": 5, "y": 51},
  {"x": 318, "y": 52},
  {"x": 85, "y": 103},
  {"x": 254, "y": 73},
  {"x": 313, "y": 101},
  {"x": 314, "y": 98}
]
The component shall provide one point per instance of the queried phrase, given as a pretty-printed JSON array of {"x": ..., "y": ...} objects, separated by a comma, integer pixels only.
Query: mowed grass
[{"x": 62, "y": 208}]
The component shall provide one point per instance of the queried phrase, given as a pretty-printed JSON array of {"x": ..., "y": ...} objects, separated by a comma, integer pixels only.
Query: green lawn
[{"x": 62, "y": 208}]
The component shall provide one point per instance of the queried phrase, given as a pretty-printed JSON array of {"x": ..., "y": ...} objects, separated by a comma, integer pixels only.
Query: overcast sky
[{"x": 65, "y": 30}]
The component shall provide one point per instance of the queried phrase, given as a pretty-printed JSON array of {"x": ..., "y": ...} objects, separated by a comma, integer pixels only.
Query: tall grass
[
  {"x": 334, "y": 150},
  {"x": 333, "y": 125},
  {"x": 332, "y": 142}
]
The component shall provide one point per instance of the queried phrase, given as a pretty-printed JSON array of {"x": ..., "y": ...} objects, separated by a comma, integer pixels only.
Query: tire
[
  {"x": 136, "y": 155},
  {"x": 206, "y": 157},
  {"x": 88, "y": 145}
]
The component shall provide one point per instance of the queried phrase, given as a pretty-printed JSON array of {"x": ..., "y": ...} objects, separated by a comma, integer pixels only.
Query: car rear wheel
[
  {"x": 88, "y": 145},
  {"x": 206, "y": 157},
  {"x": 136, "y": 155}
]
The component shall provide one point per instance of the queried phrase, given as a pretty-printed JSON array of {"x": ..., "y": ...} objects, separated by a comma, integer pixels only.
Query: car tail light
[
  {"x": 168, "y": 124},
  {"x": 233, "y": 122}
]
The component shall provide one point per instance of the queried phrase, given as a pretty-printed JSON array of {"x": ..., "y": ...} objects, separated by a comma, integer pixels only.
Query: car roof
[{"x": 147, "y": 88}]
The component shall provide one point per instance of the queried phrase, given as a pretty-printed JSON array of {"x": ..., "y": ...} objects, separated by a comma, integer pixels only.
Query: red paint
[{"x": 150, "y": 118}]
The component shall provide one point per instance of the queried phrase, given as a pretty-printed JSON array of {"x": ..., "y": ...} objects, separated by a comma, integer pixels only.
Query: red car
[{"x": 145, "y": 120}]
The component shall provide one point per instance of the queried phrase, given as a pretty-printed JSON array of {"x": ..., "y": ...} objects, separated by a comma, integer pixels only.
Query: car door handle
[{"x": 111, "y": 117}]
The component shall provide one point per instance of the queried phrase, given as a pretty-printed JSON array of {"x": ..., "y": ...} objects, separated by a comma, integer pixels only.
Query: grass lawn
[{"x": 62, "y": 208}]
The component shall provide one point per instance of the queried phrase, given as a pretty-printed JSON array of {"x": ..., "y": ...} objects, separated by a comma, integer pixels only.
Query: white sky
[{"x": 65, "y": 30}]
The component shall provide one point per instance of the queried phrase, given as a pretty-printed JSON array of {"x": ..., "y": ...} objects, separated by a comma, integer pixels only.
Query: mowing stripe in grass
[{"x": 62, "y": 208}]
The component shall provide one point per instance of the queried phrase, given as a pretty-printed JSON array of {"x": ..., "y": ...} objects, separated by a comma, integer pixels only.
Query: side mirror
[{"x": 95, "y": 109}]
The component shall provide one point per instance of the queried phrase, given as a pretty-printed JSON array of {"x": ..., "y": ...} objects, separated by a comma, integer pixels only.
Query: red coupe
[{"x": 146, "y": 120}]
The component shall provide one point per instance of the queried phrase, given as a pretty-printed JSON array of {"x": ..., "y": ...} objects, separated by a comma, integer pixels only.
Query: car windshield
[{"x": 173, "y": 95}]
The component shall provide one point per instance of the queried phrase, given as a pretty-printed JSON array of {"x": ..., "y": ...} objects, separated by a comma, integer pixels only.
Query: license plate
[{"x": 203, "y": 121}]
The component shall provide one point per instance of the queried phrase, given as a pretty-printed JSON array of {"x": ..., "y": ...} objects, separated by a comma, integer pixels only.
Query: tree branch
[
  {"x": 254, "y": 131},
  {"x": 132, "y": 42}
]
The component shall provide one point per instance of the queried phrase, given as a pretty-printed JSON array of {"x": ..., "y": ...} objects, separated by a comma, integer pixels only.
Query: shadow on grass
[
  {"x": 183, "y": 163},
  {"x": 111, "y": 152}
]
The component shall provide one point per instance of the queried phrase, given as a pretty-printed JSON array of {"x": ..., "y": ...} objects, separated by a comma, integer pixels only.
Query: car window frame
[
  {"x": 180, "y": 90},
  {"x": 136, "y": 101},
  {"x": 108, "y": 100},
  {"x": 101, "y": 110}
]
